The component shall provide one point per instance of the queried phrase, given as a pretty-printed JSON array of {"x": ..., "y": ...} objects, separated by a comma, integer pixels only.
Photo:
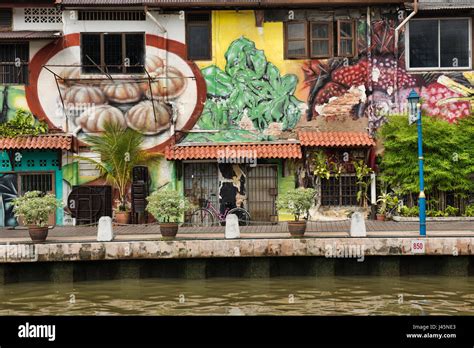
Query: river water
[{"x": 355, "y": 295}]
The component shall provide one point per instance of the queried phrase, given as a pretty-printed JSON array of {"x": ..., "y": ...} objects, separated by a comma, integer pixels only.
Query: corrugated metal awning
[
  {"x": 219, "y": 3},
  {"x": 29, "y": 35},
  {"x": 430, "y": 5}
]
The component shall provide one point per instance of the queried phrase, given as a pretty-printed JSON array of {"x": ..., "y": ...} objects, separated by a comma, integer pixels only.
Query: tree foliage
[
  {"x": 448, "y": 155},
  {"x": 23, "y": 123}
]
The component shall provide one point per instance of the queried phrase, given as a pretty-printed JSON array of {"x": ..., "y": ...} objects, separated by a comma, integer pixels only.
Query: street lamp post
[{"x": 414, "y": 114}]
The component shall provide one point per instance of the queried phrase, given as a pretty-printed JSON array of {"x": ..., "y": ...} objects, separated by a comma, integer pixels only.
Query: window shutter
[{"x": 6, "y": 18}]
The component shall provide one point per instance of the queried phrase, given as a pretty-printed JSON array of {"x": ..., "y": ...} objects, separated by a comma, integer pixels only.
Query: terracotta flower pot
[
  {"x": 297, "y": 228},
  {"x": 38, "y": 234},
  {"x": 169, "y": 229},
  {"x": 380, "y": 217},
  {"x": 122, "y": 217}
]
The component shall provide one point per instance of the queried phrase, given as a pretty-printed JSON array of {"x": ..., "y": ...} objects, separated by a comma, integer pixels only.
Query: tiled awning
[
  {"x": 228, "y": 150},
  {"x": 335, "y": 139},
  {"x": 40, "y": 142},
  {"x": 29, "y": 35}
]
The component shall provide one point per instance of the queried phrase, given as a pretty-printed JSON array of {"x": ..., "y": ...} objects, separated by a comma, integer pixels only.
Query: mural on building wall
[
  {"x": 249, "y": 99},
  {"x": 8, "y": 191},
  {"x": 159, "y": 103},
  {"x": 232, "y": 183},
  {"x": 365, "y": 86},
  {"x": 12, "y": 98}
]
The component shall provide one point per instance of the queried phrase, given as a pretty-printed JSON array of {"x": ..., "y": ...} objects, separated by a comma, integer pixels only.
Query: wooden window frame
[
  {"x": 286, "y": 40},
  {"x": 330, "y": 39},
  {"x": 340, "y": 38},
  {"x": 102, "y": 52},
  {"x": 200, "y": 24}
]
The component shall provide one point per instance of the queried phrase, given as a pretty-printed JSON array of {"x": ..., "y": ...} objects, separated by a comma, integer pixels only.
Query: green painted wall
[{"x": 37, "y": 161}]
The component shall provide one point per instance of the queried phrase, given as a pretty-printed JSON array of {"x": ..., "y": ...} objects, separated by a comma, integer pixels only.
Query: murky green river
[{"x": 274, "y": 296}]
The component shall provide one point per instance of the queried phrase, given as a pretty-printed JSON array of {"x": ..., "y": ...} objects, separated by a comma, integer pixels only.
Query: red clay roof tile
[
  {"x": 40, "y": 142},
  {"x": 335, "y": 139},
  {"x": 215, "y": 151}
]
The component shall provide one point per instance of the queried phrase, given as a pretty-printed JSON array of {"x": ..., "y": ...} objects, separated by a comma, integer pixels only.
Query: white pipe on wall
[{"x": 397, "y": 31}]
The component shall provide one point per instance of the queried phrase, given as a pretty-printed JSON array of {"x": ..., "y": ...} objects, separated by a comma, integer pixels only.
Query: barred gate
[{"x": 262, "y": 190}]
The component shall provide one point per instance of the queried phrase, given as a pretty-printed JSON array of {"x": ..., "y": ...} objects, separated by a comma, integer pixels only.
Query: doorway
[{"x": 262, "y": 192}]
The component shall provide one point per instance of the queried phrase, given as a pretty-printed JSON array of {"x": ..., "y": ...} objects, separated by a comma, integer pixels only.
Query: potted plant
[
  {"x": 382, "y": 209},
  {"x": 122, "y": 215},
  {"x": 120, "y": 150},
  {"x": 34, "y": 208},
  {"x": 167, "y": 207},
  {"x": 297, "y": 202}
]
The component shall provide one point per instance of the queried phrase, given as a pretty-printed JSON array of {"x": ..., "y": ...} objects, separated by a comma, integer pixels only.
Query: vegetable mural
[
  {"x": 365, "y": 86},
  {"x": 250, "y": 96}
]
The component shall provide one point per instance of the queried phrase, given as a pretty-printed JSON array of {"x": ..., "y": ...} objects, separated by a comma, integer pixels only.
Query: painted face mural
[
  {"x": 376, "y": 85},
  {"x": 160, "y": 103}
]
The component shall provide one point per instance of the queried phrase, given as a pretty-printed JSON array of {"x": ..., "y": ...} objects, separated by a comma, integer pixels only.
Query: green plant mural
[
  {"x": 250, "y": 89},
  {"x": 12, "y": 98}
]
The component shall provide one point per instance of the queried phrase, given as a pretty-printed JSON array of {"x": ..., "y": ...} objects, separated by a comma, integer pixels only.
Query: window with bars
[
  {"x": 14, "y": 59},
  {"x": 316, "y": 39},
  {"x": 201, "y": 182},
  {"x": 86, "y": 15},
  {"x": 36, "y": 182},
  {"x": 113, "y": 53},
  {"x": 199, "y": 35},
  {"x": 340, "y": 191}
]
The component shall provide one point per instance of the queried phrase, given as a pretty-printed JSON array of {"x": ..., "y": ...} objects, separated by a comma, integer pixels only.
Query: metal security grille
[
  {"x": 111, "y": 15},
  {"x": 36, "y": 182},
  {"x": 262, "y": 192},
  {"x": 14, "y": 59},
  {"x": 340, "y": 191},
  {"x": 201, "y": 182}
]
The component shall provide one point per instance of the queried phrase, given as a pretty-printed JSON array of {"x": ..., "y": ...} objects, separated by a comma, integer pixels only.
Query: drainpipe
[{"x": 397, "y": 30}]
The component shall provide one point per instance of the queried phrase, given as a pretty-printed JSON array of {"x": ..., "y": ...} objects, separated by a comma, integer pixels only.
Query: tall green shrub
[{"x": 448, "y": 153}]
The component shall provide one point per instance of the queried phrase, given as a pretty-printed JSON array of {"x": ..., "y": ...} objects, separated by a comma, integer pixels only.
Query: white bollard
[
  {"x": 232, "y": 230},
  {"x": 358, "y": 225},
  {"x": 105, "y": 232}
]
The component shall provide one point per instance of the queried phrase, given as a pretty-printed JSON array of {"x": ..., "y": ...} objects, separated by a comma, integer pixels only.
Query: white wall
[
  {"x": 173, "y": 24},
  {"x": 20, "y": 24}
]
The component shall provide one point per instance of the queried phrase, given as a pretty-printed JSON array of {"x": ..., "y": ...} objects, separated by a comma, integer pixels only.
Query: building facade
[{"x": 238, "y": 96}]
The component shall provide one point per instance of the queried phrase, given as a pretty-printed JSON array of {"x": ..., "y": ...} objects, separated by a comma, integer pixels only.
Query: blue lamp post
[{"x": 414, "y": 114}]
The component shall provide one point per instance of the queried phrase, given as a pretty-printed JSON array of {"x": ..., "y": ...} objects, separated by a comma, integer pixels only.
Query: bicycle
[{"x": 207, "y": 214}]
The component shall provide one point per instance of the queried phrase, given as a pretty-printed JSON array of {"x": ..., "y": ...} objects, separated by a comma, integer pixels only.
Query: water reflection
[{"x": 275, "y": 296}]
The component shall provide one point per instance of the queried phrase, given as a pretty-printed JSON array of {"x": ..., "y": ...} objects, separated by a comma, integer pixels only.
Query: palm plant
[{"x": 120, "y": 150}]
